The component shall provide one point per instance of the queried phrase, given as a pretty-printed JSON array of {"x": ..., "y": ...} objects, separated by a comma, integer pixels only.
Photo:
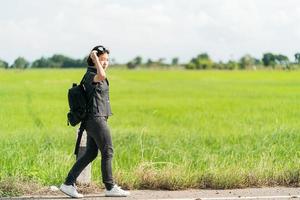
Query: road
[{"x": 193, "y": 194}]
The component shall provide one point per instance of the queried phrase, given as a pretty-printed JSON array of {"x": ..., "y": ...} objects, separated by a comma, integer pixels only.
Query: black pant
[{"x": 98, "y": 137}]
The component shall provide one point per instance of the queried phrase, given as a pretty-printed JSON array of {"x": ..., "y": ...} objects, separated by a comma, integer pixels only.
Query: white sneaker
[
  {"x": 116, "y": 191},
  {"x": 70, "y": 190}
]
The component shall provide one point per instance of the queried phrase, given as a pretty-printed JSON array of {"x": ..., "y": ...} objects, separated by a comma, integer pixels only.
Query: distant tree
[
  {"x": 282, "y": 60},
  {"x": 175, "y": 61},
  {"x": 231, "y": 64},
  {"x": 3, "y": 64},
  {"x": 269, "y": 59},
  {"x": 137, "y": 61},
  {"x": 202, "y": 61},
  {"x": 219, "y": 65},
  {"x": 203, "y": 56},
  {"x": 42, "y": 63},
  {"x": 69, "y": 62},
  {"x": 161, "y": 62},
  {"x": 190, "y": 65},
  {"x": 205, "y": 64},
  {"x": 258, "y": 62},
  {"x": 247, "y": 61},
  {"x": 131, "y": 65},
  {"x": 149, "y": 62},
  {"x": 20, "y": 63},
  {"x": 297, "y": 58},
  {"x": 57, "y": 60}
]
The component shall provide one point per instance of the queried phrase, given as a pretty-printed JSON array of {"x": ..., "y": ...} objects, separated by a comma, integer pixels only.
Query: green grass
[{"x": 171, "y": 129}]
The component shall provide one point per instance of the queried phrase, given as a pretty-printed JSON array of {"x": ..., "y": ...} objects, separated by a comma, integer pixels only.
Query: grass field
[{"x": 171, "y": 129}]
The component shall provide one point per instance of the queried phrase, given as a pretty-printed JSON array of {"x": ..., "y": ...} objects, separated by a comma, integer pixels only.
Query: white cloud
[{"x": 167, "y": 28}]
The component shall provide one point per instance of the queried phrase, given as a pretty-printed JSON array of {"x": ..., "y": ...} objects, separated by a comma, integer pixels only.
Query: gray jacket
[{"x": 97, "y": 93}]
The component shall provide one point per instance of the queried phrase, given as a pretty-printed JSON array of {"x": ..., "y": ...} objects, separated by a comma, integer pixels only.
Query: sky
[{"x": 225, "y": 29}]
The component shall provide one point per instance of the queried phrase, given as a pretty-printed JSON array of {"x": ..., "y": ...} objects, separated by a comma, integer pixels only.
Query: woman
[{"x": 98, "y": 133}]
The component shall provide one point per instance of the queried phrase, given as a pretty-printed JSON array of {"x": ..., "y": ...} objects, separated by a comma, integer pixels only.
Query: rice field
[{"x": 171, "y": 129}]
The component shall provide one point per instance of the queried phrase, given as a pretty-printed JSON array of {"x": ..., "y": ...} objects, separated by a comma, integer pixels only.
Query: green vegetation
[
  {"x": 171, "y": 129},
  {"x": 201, "y": 62}
]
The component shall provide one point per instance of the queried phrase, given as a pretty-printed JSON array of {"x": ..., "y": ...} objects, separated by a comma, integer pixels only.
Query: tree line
[
  {"x": 55, "y": 61},
  {"x": 201, "y": 61}
]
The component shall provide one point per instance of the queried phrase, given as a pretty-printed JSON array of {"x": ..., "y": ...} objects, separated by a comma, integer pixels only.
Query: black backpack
[{"x": 78, "y": 101}]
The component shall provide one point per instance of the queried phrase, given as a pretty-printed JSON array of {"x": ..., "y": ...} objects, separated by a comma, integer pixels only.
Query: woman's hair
[{"x": 100, "y": 50}]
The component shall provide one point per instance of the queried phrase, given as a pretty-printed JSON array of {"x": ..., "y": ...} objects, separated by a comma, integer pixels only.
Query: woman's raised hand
[{"x": 94, "y": 56}]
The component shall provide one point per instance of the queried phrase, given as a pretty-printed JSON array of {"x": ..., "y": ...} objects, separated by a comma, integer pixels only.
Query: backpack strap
[
  {"x": 83, "y": 80},
  {"x": 88, "y": 98},
  {"x": 79, "y": 136}
]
